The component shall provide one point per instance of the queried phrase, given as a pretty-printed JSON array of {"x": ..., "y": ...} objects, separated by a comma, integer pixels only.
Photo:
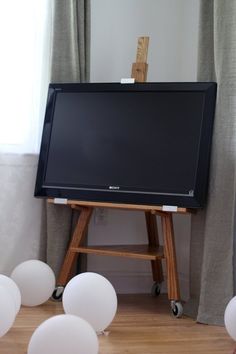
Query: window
[{"x": 25, "y": 32}]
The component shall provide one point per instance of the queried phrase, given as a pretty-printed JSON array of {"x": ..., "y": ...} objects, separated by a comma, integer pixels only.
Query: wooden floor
[{"x": 143, "y": 325}]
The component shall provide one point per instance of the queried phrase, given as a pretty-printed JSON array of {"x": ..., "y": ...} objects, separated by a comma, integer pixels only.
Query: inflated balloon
[
  {"x": 7, "y": 310},
  {"x": 64, "y": 334},
  {"x": 230, "y": 318},
  {"x": 35, "y": 280},
  {"x": 13, "y": 289},
  {"x": 92, "y": 297}
]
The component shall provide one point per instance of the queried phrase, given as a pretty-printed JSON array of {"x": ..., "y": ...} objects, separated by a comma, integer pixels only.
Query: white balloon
[
  {"x": 13, "y": 289},
  {"x": 64, "y": 334},
  {"x": 230, "y": 318},
  {"x": 92, "y": 297},
  {"x": 7, "y": 310},
  {"x": 35, "y": 280}
]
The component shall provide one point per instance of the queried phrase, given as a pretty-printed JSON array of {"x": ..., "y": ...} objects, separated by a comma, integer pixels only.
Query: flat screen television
[{"x": 142, "y": 143}]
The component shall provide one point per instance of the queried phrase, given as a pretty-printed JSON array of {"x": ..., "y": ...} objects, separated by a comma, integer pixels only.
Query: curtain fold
[
  {"x": 70, "y": 63},
  {"x": 71, "y": 41},
  {"x": 213, "y": 229},
  {"x": 21, "y": 214}
]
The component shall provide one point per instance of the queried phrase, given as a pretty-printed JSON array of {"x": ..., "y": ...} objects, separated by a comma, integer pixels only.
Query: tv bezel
[{"x": 194, "y": 200}]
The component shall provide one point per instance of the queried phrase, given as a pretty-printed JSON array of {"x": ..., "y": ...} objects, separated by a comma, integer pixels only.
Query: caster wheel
[
  {"x": 156, "y": 289},
  {"x": 176, "y": 308},
  {"x": 57, "y": 293}
]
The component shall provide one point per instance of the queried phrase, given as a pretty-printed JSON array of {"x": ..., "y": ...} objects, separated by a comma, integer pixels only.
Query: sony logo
[{"x": 114, "y": 187}]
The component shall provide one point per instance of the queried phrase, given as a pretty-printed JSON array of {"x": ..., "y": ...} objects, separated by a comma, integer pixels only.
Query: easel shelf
[{"x": 143, "y": 252}]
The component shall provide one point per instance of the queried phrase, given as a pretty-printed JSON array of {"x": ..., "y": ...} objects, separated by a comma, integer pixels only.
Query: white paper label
[
  {"x": 127, "y": 81},
  {"x": 60, "y": 201},
  {"x": 169, "y": 208}
]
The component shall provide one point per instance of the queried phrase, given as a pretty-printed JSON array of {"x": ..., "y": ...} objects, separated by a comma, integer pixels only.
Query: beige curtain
[
  {"x": 70, "y": 63},
  {"x": 21, "y": 214},
  {"x": 213, "y": 229}
]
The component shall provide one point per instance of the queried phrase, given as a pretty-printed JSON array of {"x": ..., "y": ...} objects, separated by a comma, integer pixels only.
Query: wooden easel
[{"x": 152, "y": 251}]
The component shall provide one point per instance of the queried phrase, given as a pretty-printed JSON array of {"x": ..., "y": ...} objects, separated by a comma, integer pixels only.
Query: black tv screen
[{"x": 143, "y": 143}]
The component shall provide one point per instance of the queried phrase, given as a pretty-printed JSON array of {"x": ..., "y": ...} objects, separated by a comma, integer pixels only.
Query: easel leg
[
  {"x": 170, "y": 255},
  {"x": 153, "y": 239},
  {"x": 76, "y": 240}
]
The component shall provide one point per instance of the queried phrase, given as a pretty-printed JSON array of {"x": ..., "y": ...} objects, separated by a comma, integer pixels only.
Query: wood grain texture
[
  {"x": 153, "y": 241},
  {"x": 139, "y": 72},
  {"x": 170, "y": 256},
  {"x": 76, "y": 240},
  {"x": 142, "y": 325},
  {"x": 152, "y": 208},
  {"x": 129, "y": 251},
  {"x": 142, "y": 50},
  {"x": 140, "y": 67}
]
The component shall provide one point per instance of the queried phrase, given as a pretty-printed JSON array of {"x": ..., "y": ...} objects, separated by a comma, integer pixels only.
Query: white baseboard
[{"x": 141, "y": 282}]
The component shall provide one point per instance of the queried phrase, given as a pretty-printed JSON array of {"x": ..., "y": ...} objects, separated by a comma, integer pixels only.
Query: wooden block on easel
[
  {"x": 142, "y": 50},
  {"x": 140, "y": 67},
  {"x": 139, "y": 72}
]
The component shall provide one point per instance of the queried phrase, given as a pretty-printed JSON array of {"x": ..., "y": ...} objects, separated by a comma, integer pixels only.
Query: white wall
[{"x": 172, "y": 26}]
